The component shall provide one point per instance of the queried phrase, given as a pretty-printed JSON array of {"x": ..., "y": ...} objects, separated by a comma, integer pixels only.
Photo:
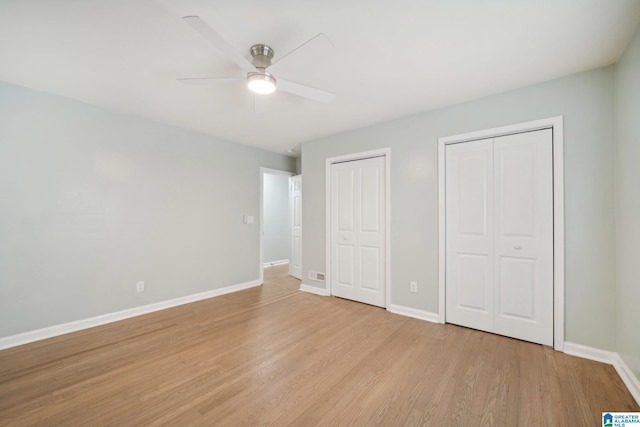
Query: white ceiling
[{"x": 391, "y": 59}]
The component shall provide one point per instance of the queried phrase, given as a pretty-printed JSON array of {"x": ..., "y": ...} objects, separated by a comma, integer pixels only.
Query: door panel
[
  {"x": 295, "y": 262},
  {"x": 524, "y": 236},
  {"x": 370, "y": 268},
  {"x": 346, "y": 260},
  {"x": 472, "y": 275},
  {"x": 295, "y": 214},
  {"x": 469, "y": 255},
  {"x": 473, "y": 175},
  {"x": 370, "y": 203},
  {"x": 358, "y": 223},
  {"x": 516, "y": 192},
  {"x": 516, "y": 288},
  {"x": 346, "y": 200}
]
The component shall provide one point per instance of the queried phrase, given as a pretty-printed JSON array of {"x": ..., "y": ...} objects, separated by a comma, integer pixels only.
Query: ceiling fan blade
[
  {"x": 215, "y": 39},
  {"x": 206, "y": 80},
  {"x": 305, "y": 91},
  {"x": 307, "y": 52}
]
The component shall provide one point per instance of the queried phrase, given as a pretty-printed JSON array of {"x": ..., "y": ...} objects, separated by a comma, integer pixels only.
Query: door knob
[{"x": 517, "y": 247}]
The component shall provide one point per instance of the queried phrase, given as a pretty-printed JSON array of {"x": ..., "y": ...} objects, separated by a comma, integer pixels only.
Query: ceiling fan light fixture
[{"x": 262, "y": 83}]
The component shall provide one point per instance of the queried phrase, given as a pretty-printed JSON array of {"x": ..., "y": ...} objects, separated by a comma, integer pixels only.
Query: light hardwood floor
[{"x": 273, "y": 355}]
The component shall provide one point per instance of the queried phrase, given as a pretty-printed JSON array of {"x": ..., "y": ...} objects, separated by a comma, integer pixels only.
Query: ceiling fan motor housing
[
  {"x": 261, "y": 81},
  {"x": 262, "y": 55}
]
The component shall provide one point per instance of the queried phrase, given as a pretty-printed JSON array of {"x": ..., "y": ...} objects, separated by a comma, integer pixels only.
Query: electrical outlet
[
  {"x": 140, "y": 286},
  {"x": 413, "y": 286}
]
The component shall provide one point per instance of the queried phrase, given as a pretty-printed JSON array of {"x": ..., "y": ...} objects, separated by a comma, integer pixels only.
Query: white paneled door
[
  {"x": 295, "y": 219},
  {"x": 469, "y": 195},
  {"x": 358, "y": 230},
  {"x": 499, "y": 235}
]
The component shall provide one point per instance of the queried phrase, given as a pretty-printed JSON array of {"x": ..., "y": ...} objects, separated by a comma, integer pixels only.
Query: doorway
[{"x": 274, "y": 218}]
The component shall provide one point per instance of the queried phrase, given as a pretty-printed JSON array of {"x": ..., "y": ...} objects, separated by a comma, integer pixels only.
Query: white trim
[
  {"x": 502, "y": 130},
  {"x": 558, "y": 232},
  {"x": 413, "y": 312},
  {"x": 628, "y": 377},
  {"x": 313, "y": 290},
  {"x": 590, "y": 353},
  {"x": 386, "y": 152},
  {"x": 556, "y": 124},
  {"x": 279, "y": 262},
  {"x": 611, "y": 358},
  {"x": 77, "y": 325},
  {"x": 442, "y": 237},
  {"x": 262, "y": 172}
]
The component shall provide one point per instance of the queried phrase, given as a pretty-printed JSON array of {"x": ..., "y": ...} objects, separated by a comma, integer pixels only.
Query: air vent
[{"x": 314, "y": 275}]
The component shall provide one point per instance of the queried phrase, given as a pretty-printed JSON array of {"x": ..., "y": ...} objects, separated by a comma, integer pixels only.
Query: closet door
[
  {"x": 469, "y": 207},
  {"x": 523, "y": 264},
  {"x": 499, "y": 235},
  {"x": 358, "y": 230}
]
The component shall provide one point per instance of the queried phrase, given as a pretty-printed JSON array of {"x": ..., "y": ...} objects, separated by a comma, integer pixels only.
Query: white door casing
[
  {"x": 499, "y": 235},
  {"x": 358, "y": 230},
  {"x": 295, "y": 220}
]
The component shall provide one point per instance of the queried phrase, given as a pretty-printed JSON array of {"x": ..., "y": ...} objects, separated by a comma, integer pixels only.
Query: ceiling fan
[{"x": 260, "y": 71}]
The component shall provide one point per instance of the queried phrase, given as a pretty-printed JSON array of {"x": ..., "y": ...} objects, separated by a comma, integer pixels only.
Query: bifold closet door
[
  {"x": 523, "y": 261},
  {"x": 358, "y": 230},
  {"x": 469, "y": 222},
  {"x": 499, "y": 235}
]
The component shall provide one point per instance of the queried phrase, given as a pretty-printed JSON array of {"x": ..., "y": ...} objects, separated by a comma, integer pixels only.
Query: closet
[{"x": 499, "y": 235}]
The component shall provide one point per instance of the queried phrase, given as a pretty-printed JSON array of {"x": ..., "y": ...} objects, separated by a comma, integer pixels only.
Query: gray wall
[
  {"x": 93, "y": 201},
  {"x": 628, "y": 204},
  {"x": 276, "y": 218},
  {"x": 586, "y": 102}
]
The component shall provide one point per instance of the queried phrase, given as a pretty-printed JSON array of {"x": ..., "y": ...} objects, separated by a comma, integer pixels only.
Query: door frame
[
  {"x": 383, "y": 152},
  {"x": 269, "y": 171},
  {"x": 556, "y": 125}
]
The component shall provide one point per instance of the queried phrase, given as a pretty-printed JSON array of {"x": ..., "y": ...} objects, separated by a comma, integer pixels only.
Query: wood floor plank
[{"x": 273, "y": 355}]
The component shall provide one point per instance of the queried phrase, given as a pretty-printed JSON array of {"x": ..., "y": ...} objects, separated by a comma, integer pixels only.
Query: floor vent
[{"x": 314, "y": 275}]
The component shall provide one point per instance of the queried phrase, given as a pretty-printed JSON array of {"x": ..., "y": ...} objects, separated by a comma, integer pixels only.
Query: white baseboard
[
  {"x": 628, "y": 377},
  {"x": 279, "y": 262},
  {"x": 413, "y": 312},
  {"x": 313, "y": 290},
  {"x": 611, "y": 358},
  {"x": 590, "y": 353},
  {"x": 77, "y": 325}
]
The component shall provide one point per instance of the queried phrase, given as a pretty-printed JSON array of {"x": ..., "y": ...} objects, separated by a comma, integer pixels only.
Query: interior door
[
  {"x": 523, "y": 263},
  {"x": 499, "y": 235},
  {"x": 469, "y": 229},
  {"x": 358, "y": 230},
  {"x": 295, "y": 218}
]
